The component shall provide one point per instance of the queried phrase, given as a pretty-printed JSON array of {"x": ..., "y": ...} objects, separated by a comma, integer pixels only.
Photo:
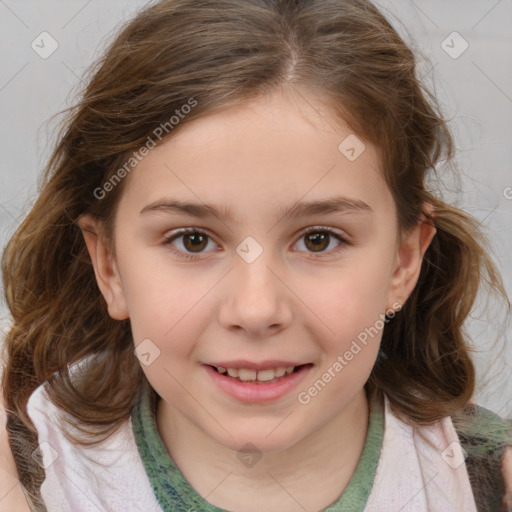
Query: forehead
[{"x": 271, "y": 151}]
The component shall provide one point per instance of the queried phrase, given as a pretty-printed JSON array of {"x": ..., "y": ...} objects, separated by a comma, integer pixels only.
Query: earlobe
[
  {"x": 409, "y": 260},
  {"x": 105, "y": 267}
]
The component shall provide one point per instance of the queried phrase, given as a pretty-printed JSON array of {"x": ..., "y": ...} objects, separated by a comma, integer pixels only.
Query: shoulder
[
  {"x": 487, "y": 441},
  {"x": 107, "y": 470},
  {"x": 39, "y": 405}
]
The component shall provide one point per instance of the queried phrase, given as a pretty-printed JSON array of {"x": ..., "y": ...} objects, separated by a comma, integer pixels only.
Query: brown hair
[{"x": 222, "y": 52}]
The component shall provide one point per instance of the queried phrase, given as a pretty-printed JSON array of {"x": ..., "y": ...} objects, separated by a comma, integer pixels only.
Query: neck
[{"x": 325, "y": 461}]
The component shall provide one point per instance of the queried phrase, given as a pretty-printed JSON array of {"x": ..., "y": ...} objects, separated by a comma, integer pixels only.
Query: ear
[
  {"x": 409, "y": 258},
  {"x": 105, "y": 267}
]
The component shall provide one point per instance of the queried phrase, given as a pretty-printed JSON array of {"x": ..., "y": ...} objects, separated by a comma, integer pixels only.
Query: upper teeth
[{"x": 246, "y": 374}]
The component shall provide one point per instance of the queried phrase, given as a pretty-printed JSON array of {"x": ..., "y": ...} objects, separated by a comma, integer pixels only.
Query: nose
[{"x": 257, "y": 299}]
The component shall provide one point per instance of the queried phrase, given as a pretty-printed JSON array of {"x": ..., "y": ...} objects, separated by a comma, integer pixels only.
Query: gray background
[{"x": 475, "y": 91}]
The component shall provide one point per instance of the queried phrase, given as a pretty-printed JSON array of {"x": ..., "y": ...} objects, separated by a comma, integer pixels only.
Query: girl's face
[{"x": 291, "y": 259}]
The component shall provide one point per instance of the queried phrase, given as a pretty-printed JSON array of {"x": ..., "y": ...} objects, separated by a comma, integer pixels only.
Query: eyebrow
[{"x": 294, "y": 210}]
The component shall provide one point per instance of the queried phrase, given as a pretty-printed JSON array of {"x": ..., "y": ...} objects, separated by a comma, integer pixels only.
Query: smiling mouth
[{"x": 264, "y": 376}]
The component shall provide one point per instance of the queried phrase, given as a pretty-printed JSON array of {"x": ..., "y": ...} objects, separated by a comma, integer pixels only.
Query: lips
[
  {"x": 249, "y": 371},
  {"x": 249, "y": 385}
]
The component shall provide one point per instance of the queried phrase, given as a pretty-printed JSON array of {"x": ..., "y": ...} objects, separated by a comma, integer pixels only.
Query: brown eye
[
  {"x": 317, "y": 241},
  {"x": 187, "y": 242},
  {"x": 195, "y": 242}
]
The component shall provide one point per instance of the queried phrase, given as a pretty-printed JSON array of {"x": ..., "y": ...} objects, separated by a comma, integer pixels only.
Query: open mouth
[{"x": 265, "y": 376}]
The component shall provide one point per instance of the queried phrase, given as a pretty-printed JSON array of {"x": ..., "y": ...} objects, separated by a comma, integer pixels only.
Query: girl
[{"x": 235, "y": 290}]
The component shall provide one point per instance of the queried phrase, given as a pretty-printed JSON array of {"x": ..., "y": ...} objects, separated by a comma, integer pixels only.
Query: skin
[
  {"x": 506, "y": 473},
  {"x": 255, "y": 158},
  {"x": 12, "y": 496}
]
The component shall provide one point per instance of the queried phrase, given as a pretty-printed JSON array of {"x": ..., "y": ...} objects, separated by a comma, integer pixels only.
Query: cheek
[
  {"x": 161, "y": 301},
  {"x": 346, "y": 311},
  {"x": 349, "y": 298},
  {"x": 355, "y": 317}
]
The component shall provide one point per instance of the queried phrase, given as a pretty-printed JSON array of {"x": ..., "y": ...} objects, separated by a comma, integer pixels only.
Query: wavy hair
[{"x": 223, "y": 52}]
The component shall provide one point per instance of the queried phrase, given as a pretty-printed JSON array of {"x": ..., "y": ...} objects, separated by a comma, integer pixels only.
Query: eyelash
[{"x": 317, "y": 229}]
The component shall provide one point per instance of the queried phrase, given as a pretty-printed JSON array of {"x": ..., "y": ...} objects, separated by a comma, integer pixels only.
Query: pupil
[
  {"x": 318, "y": 239},
  {"x": 196, "y": 238}
]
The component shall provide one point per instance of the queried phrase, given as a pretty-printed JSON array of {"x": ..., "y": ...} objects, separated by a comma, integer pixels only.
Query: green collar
[{"x": 175, "y": 494}]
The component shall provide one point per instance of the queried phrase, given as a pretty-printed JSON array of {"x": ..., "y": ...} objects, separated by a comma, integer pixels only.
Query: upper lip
[{"x": 251, "y": 365}]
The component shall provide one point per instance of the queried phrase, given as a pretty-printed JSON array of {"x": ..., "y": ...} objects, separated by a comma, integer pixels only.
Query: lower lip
[{"x": 254, "y": 392}]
